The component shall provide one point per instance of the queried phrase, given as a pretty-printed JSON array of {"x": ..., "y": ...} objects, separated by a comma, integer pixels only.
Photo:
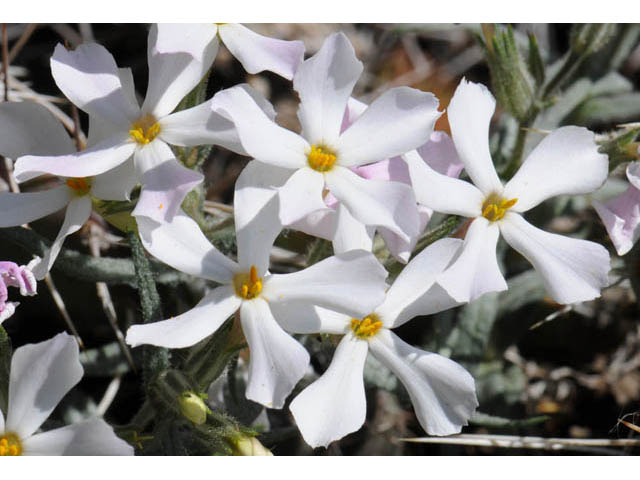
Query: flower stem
[{"x": 155, "y": 359}]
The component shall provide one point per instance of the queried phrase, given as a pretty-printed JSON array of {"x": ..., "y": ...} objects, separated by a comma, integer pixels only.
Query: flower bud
[
  {"x": 512, "y": 83},
  {"x": 250, "y": 447},
  {"x": 587, "y": 38},
  {"x": 193, "y": 407}
]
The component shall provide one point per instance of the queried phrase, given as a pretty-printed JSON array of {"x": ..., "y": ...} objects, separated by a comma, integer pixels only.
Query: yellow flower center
[
  {"x": 145, "y": 129},
  {"x": 10, "y": 445},
  {"x": 495, "y": 207},
  {"x": 321, "y": 159},
  {"x": 79, "y": 186},
  {"x": 248, "y": 285},
  {"x": 367, "y": 327}
]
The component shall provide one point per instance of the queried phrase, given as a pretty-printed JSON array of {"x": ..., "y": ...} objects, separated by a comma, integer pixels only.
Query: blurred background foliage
[{"x": 540, "y": 368}]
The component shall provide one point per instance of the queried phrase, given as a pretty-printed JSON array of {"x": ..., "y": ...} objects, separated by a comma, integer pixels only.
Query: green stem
[
  {"x": 155, "y": 359},
  {"x": 516, "y": 156},
  {"x": 570, "y": 65},
  {"x": 5, "y": 362}
]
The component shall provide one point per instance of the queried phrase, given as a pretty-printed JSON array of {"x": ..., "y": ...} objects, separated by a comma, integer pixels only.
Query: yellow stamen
[
  {"x": 321, "y": 159},
  {"x": 10, "y": 445},
  {"x": 79, "y": 186},
  {"x": 367, "y": 327},
  {"x": 248, "y": 285},
  {"x": 495, "y": 207},
  {"x": 145, "y": 129}
]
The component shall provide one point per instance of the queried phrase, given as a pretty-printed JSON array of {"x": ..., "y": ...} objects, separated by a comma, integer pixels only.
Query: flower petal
[
  {"x": 173, "y": 75},
  {"x": 375, "y": 202},
  {"x": 412, "y": 293},
  {"x": 572, "y": 270},
  {"x": 390, "y": 170},
  {"x": 255, "y": 206},
  {"x": 260, "y": 136},
  {"x": 475, "y": 271},
  {"x": 78, "y": 212},
  {"x": 440, "y": 154},
  {"x": 182, "y": 245},
  {"x": 89, "y": 437},
  {"x": 400, "y": 248},
  {"x": 565, "y": 162},
  {"x": 277, "y": 360},
  {"x": 20, "y": 208},
  {"x": 104, "y": 156},
  {"x": 117, "y": 183},
  {"x": 204, "y": 124},
  {"x": 443, "y": 393},
  {"x": 621, "y": 218},
  {"x": 190, "y": 327},
  {"x": 470, "y": 112},
  {"x": 321, "y": 223},
  {"x": 302, "y": 317},
  {"x": 257, "y": 53},
  {"x": 334, "y": 405},
  {"x": 191, "y": 38},
  {"x": 351, "y": 234},
  {"x": 165, "y": 184},
  {"x": 324, "y": 84},
  {"x": 351, "y": 283},
  {"x": 27, "y": 128},
  {"x": 400, "y": 120},
  {"x": 355, "y": 108},
  {"x": 633, "y": 174},
  {"x": 441, "y": 192},
  {"x": 88, "y": 76},
  {"x": 301, "y": 195},
  {"x": 41, "y": 374}
]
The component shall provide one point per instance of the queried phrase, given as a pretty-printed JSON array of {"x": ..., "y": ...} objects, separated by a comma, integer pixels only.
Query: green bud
[
  {"x": 511, "y": 81},
  {"x": 193, "y": 407},
  {"x": 586, "y": 38},
  {"x": 250, "y": 447}
]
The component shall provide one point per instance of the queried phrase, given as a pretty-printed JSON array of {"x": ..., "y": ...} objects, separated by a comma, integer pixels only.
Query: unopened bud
[
  {"x": 250, "y": 447},
  {"x": 586, "y": 38},
  {"x": 193, "y": 407}
]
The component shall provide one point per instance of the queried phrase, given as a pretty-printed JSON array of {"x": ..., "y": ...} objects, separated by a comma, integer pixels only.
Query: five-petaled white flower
[
  {"x": 90, "y": 78},
  {"x": 30, "y": 129},
  {"x": 41, "y": 374},
  {"x": 565, "y": 162},
  {"x": 255, "y": 52},
  {"x": 319, "y": 160},
  {"x": 347, "y": 233},
  {"x": 621, "y": 215},
  {"x": 442, "y": 391},
  {"x": 352, "y": 283}
]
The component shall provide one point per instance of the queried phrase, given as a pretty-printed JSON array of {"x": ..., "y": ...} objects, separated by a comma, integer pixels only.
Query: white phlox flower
[
  {"x": 441, "y": 390},
  {"x": 29, "y": 129},
  {"x": 621, "y": 215},
  {"x": 41, "y": 375},
  {"x": 90, "y": 78},
  {"x": 339, "y": 226},
  {"x": 20, "y": 277},
  {"x": 255, "y": 52},
  {"x": 320, "y": 159},
  {"x": 565, "y": 162},
  {"x": 351, "y": 282}
]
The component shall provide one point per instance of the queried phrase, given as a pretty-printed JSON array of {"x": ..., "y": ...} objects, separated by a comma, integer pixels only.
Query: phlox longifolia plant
[{"x": 362, "y": 181}]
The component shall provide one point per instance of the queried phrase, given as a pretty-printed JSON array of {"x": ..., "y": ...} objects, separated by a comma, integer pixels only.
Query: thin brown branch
[
  {"x": 5, "y": 61},
  {"x": 105, "y": 296},
  {"x": 57, "y": 298},
  {"x": 22, "y": 41}
]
